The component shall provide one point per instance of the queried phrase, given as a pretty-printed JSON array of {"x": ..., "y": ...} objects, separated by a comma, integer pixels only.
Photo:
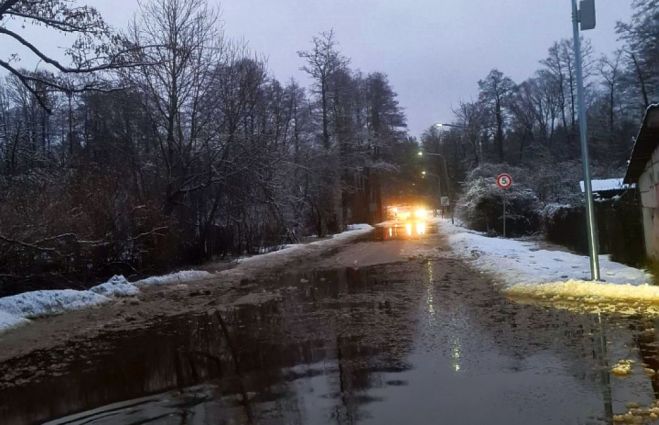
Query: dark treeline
[
  {"x": 177, "y": 145},
  {"x": 534, "y": 124}
]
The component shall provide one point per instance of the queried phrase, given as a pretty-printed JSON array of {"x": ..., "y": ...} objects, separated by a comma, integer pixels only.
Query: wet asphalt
[{"x": 419, "y": 341}]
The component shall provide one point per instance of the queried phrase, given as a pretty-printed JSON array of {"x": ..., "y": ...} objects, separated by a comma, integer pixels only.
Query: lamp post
[
  {"x": 441, "y": 124},
  {"x": 446, "y": 180},
  {"x": 480, "y": 143},
  {"x": 585, "y": 15}
]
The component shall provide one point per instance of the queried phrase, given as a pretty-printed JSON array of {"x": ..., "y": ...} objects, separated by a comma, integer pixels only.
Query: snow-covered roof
[
  {"x": 603, "y": 185},
  {"x": 646, "y": 142}
]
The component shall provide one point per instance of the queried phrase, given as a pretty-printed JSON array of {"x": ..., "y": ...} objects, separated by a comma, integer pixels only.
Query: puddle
[
  {"x": 411, "y": 342},
  {"x": 404, "y": 231}
]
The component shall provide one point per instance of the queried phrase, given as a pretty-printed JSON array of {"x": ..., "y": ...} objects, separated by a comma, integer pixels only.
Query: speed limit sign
[{"x": 504, "y": 181}]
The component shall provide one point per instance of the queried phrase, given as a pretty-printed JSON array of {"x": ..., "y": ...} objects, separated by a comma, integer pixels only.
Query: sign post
[{"x": 504, "y": 181}]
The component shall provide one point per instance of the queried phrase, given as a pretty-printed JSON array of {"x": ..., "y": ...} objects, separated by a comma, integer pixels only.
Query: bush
[
  {"x": 481, "y": 208},
  {"x": 566, "y": 225}
]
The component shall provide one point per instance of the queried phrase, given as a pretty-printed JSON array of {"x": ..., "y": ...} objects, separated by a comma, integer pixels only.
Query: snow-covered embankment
[
  {"x": 525, "y": 269},
  {"x": 18, "y": 309}
]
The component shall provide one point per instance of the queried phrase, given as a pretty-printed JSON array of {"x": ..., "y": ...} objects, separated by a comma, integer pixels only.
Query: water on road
[{"x": 413, "y": 342}]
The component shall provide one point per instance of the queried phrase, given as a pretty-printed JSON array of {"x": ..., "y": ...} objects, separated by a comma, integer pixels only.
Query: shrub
[{"x": 481, "y": 208}]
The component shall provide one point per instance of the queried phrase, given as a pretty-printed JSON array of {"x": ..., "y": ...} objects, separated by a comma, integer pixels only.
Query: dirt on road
[
  {"x": 238, "y": 285},
  {"x": 366, "y": 332}
]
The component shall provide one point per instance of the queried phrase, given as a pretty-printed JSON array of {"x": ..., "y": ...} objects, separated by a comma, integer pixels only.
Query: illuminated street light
[
  {"x": 441, "y": 124},
  {"x": 446, "y": 179},
  {"x": 461, "y": 127}
]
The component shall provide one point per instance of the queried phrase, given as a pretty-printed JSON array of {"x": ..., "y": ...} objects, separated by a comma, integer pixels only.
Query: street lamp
[
  {"x": 421, "y": 153},
  {"x": 462, "y": 127},
  {"x": 583, "y": 18},
  {"x": 441, "y": 124},
  {"x": 445, "y": 169}
]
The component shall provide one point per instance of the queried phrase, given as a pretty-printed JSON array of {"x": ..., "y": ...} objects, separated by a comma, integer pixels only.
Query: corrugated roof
[
  {"x": 603, "y": 185},
  {"x": 646, "y": 142}
]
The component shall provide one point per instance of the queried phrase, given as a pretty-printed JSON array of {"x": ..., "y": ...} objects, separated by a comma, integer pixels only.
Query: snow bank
[
  {"x": 589, "y": 291},
  {"x": 519, "y": 262},
  {"x": 590, "y": 297},
  {"x": 44, "y": 303},
  {"x": 361, "y": 226},
  {"x": 178, "y": 277},
  {"x": 298, "y": 250},
  {"x": 16, "y": 309},
  {"x": 8, "y": 320},
  {"x": 117, "y": 286}
]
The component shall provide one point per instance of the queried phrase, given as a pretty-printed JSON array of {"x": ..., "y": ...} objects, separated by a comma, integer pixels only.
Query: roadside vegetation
[
  {"x": 530, "y": 129},
  {"x": 170, "y": 143}
]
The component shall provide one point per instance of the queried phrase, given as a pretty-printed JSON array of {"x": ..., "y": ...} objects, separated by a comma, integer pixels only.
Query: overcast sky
[{"x": 434, "y": 51}]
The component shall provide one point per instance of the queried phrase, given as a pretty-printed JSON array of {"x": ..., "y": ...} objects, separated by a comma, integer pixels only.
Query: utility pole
[{"x": 585, "y": 15}]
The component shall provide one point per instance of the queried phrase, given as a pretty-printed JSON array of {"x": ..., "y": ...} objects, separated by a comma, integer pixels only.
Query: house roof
[
  {"x": 646, "y": 142},
  {"x": 604, "y": 185}
]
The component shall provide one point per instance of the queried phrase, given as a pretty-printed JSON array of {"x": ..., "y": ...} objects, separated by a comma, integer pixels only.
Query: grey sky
[{"x": 434, "y": 51}]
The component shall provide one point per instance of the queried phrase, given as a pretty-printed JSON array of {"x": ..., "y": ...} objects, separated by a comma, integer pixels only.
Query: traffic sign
[{"x": 504, "y": 181}]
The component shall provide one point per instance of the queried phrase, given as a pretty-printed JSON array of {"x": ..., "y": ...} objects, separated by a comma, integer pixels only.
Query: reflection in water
[
  {"x": 430, "y": 290},
  {"x": 601, "y": 355},
  {"x": 610, "y": 314},
  {"x": 455, "y": 355},
  {"x": 414, "y": 343},
  {"x": 405, "y": 230},
  {"x": 334, "y": 331}
]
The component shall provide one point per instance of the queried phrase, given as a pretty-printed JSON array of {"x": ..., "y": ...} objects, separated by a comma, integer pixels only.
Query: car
[{"x": 405, "y": 221}]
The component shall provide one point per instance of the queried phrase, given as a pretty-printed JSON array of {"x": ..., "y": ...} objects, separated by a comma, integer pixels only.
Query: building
[
  {"x": 643, "y": 170},
  {"x": 607, "y": 188}
]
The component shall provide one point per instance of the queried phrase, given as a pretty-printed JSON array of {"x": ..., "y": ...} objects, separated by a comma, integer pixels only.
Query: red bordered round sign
[{"x": 504, "y": 181}]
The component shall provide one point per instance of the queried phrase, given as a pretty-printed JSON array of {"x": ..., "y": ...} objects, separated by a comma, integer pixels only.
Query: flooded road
[{"x": 418, "y": 341}]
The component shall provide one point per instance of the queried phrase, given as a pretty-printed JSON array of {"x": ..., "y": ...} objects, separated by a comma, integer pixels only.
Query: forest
[
  {"x": 532, "y": 126},
  {"x": 170, "y": 144}
]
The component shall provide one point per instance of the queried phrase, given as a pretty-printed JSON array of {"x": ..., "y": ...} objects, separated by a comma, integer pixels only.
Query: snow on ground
[
  {"x": 515, "y": 261},
  {"x": 44, "y": 303},
  {"x": 178, "y": 277},
  {"x": 295, "y": 251},
  {"x": 589, "y": 291},
  {"x": 16, "y": 310},
  {"x": 528, "y": 271},
  {"x": 117, "y": 286},
  {"x": 8, "y": 320}
]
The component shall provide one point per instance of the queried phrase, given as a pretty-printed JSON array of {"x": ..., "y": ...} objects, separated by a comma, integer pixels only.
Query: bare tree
[
  {"x": 175, "y": 76},
  {"x": 641, "y": 38},
  {"x": 323, "y": 62},
  {"x": 95, "y": 49},
  {"x": 610, "y": 71},
  {"x": 495, "y": 92}
]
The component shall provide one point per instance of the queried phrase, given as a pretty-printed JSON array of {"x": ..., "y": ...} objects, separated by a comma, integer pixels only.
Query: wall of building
[{"x": 648, "y": 184}]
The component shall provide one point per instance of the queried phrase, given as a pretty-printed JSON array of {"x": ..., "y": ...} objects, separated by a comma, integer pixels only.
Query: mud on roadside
[{"x": 236, "y": 284}]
